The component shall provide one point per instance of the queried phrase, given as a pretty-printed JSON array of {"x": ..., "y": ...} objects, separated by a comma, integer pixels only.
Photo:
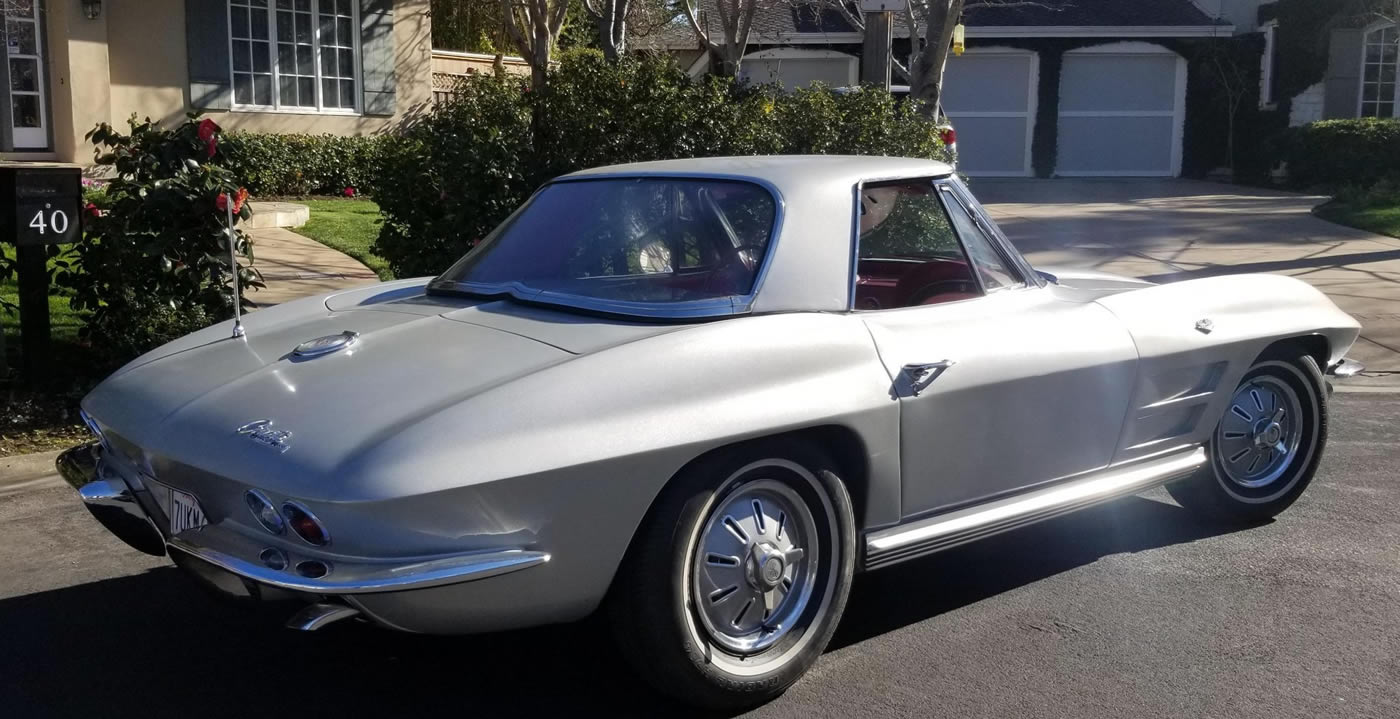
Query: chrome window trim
[
  {"x": 716, "y": 307},
  {"x": 1029, "y": 275},
  {"x": 1016, "y": 264},
  {"x": 1012, "y": 267}
]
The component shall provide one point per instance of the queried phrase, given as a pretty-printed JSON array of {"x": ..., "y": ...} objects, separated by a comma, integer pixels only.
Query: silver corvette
[{"x": 699, "y": 395}]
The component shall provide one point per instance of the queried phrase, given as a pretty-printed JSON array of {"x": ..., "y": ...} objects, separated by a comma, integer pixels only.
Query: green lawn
[
  {"x": 1382, "y": 218},
  {"x": 348, "y": 225},
  {"x": 65, "y": 322}
]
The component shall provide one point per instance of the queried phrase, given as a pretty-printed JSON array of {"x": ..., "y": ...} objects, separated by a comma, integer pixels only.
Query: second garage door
[{"x": 1121, "y": 111}]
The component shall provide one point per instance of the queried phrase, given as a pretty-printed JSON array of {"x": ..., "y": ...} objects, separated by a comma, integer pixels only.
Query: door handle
[{"x": 923, "y": 374}]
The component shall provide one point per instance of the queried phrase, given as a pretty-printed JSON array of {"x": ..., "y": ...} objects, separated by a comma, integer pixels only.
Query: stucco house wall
[{"x": 134, "y": 58}]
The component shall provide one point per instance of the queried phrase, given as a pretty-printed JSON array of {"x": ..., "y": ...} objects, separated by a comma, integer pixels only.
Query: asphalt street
[{"x": 1131, "y": 609}]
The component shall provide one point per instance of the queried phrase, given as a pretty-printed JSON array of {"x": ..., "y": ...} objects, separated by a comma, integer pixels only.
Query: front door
[
  {"x": 24, "y": 49},
  {"x": 1002, "y": 385}
]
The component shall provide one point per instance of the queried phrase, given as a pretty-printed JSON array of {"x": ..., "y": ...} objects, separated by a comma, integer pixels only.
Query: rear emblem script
[
  {"x": 326, "y": 345},
  {"x": 262, "y": 432}
]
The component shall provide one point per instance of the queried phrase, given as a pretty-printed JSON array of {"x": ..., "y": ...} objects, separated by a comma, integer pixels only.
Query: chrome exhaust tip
[{"x": 320, "y": 614}]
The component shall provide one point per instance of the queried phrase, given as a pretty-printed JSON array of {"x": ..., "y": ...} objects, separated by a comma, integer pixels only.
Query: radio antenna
[{"x": 238, "y": 330}]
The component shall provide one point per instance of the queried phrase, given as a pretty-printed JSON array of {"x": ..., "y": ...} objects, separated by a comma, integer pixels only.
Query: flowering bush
[{"x": 154, "y": 261}]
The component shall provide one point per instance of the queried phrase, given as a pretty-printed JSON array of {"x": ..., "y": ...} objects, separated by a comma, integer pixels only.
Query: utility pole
[{"x": 876, "y": 57}]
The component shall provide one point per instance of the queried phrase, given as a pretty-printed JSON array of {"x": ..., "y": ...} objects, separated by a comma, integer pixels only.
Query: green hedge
[
  {"x": 302, "y": 164},
  {"x": 1343, "y": 152},
  {"x": 458, "y": 173}
]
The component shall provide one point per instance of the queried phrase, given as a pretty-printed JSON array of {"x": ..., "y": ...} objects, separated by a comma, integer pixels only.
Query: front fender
[{"x": 1197, "y": 338}]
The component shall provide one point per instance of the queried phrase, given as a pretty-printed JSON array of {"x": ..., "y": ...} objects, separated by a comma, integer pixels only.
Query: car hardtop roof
[{"x": 788, "y": 173}]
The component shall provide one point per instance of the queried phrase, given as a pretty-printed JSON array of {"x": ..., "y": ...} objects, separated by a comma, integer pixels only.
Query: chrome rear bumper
[
  {"x": 112, "y": 502},
  {"x": 109, "y": 499}
]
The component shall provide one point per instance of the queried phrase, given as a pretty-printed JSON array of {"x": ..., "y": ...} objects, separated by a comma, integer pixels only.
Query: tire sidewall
[
  {"x": 1301, "y": 375},
  {"x": 707, "y": 673}
]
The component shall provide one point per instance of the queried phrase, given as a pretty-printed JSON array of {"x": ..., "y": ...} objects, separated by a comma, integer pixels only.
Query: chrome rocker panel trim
[
  {"x": 392, "y": 578},
  {"x": 907, "y": 541}
]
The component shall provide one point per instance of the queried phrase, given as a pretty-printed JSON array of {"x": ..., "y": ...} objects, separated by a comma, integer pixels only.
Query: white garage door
[
  {"x": 990, "y": 96},
  {"x": 1121, "y": 111},
  {"x": 793, "y": 68}
]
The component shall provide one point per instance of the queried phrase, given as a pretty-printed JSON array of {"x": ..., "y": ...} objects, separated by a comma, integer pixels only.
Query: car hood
[{"x": 414, "y": 356}]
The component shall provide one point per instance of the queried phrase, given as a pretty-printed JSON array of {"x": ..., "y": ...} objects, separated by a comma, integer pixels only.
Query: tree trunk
[{"x": 926, "y": 73}]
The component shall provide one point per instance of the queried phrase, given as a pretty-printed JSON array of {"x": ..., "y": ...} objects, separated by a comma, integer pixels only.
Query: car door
[{"x": 1001, "y": 386}]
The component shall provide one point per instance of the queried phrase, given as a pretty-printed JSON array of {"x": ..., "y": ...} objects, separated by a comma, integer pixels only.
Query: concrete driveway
[{"x": 1169, "y": 230}]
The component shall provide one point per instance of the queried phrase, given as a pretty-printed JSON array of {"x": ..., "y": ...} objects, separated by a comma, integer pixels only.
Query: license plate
[{"x": 185, "y": 512}]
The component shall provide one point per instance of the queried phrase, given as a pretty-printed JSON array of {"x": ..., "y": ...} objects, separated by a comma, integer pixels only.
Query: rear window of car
[{"x": 629, "y": 240}]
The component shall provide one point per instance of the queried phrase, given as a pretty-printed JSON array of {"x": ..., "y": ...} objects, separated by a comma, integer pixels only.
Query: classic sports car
[{"x": 701, "y": 395}]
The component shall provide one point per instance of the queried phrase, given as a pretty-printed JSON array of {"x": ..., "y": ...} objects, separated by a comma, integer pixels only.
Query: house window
[
  {"x": 295, "y": 55},
  {"x": 1378, "y": 71}
]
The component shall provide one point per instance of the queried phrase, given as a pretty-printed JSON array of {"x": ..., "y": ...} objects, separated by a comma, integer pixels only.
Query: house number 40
[{"x": 57, "y": 220}]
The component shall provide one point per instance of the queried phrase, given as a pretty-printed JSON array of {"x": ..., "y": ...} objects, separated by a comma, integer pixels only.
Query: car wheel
[
  {"x": 1266, "y": 447},
  {"x": 738, "y": 576}
]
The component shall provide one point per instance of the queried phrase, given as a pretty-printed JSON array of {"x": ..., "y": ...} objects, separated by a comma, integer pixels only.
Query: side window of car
[
  {"x": 908, "y": 251},
  {"x": 991, "y": 267}
]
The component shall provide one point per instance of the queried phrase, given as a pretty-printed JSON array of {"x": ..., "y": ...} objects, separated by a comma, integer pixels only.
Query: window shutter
[
  {"x": 377, "y": 55},
  {"x": 207, "y": 50}
]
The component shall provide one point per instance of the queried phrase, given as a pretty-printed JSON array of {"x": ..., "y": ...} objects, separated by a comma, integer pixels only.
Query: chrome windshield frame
[{"x": 711, "y": 308}]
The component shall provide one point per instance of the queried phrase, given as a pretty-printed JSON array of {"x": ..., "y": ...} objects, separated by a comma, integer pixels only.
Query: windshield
[{"x": 628, "y": 240}]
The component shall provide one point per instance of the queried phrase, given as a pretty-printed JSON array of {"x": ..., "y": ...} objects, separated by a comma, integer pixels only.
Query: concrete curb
[{"x": 29, "y": 471}]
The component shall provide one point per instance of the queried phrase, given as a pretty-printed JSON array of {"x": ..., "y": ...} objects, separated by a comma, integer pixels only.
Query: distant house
[
  {"x": 1362, "y": 59},
  {"x": 1119, "y": 79},
  {"x": 349, "y": 67}
]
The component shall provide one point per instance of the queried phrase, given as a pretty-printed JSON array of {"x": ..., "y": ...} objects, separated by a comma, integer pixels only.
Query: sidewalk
[{"x": 294, "y": 266}]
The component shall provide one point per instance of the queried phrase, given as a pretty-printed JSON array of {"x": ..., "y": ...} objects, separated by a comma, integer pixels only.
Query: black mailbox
[{"x": 42, "y": 204}]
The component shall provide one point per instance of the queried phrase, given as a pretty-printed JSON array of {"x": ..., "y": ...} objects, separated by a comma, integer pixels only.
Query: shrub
[
  {"x": 1334, "y": 153},
  {"x": 459, "y": 172},
  {"x": 155, "y": 264},
  {"x": 272, "y": 164}
]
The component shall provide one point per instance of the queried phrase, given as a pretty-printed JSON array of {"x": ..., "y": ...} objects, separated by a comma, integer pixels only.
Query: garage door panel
[
  {"x": 991, "y": 145},
  {"x": 1118, "y": 83},
  {"x": 1090, "y": 145},
  {"x": 989, "y": 97},
  {"x": 987, "y": 83}
]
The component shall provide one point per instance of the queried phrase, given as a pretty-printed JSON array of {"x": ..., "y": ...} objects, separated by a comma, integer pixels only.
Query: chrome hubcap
[
  {"x": 1259, "y": 435},
  {"x": 753, "y": 566}
]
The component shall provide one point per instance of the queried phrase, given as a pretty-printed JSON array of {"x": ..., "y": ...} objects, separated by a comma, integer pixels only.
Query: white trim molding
[
  {"x": 1267, "y": 101},
  {"x": 1007, "y": 31},
  {"x": 1127, "y": 31}
]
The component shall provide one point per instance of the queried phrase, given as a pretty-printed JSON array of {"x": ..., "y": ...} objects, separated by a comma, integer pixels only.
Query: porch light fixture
[{"x": 92, "y": 9}]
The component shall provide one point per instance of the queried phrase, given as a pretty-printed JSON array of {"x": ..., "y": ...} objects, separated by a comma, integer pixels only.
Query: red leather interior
[{"x": 887, "y": 283}]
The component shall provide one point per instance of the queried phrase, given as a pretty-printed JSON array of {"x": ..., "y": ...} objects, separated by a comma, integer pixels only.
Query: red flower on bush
[
  {"x": 349, "y": 192},
  {"x": 208, "y": 129},
  {"x": 92, "y": 210},
  {"x": 221, "y": 202}
]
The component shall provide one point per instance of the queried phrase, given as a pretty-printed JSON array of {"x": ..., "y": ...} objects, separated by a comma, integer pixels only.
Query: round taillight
[
  {"x": 304, "y": 524},
  {"x": 264, "y": 511}
]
